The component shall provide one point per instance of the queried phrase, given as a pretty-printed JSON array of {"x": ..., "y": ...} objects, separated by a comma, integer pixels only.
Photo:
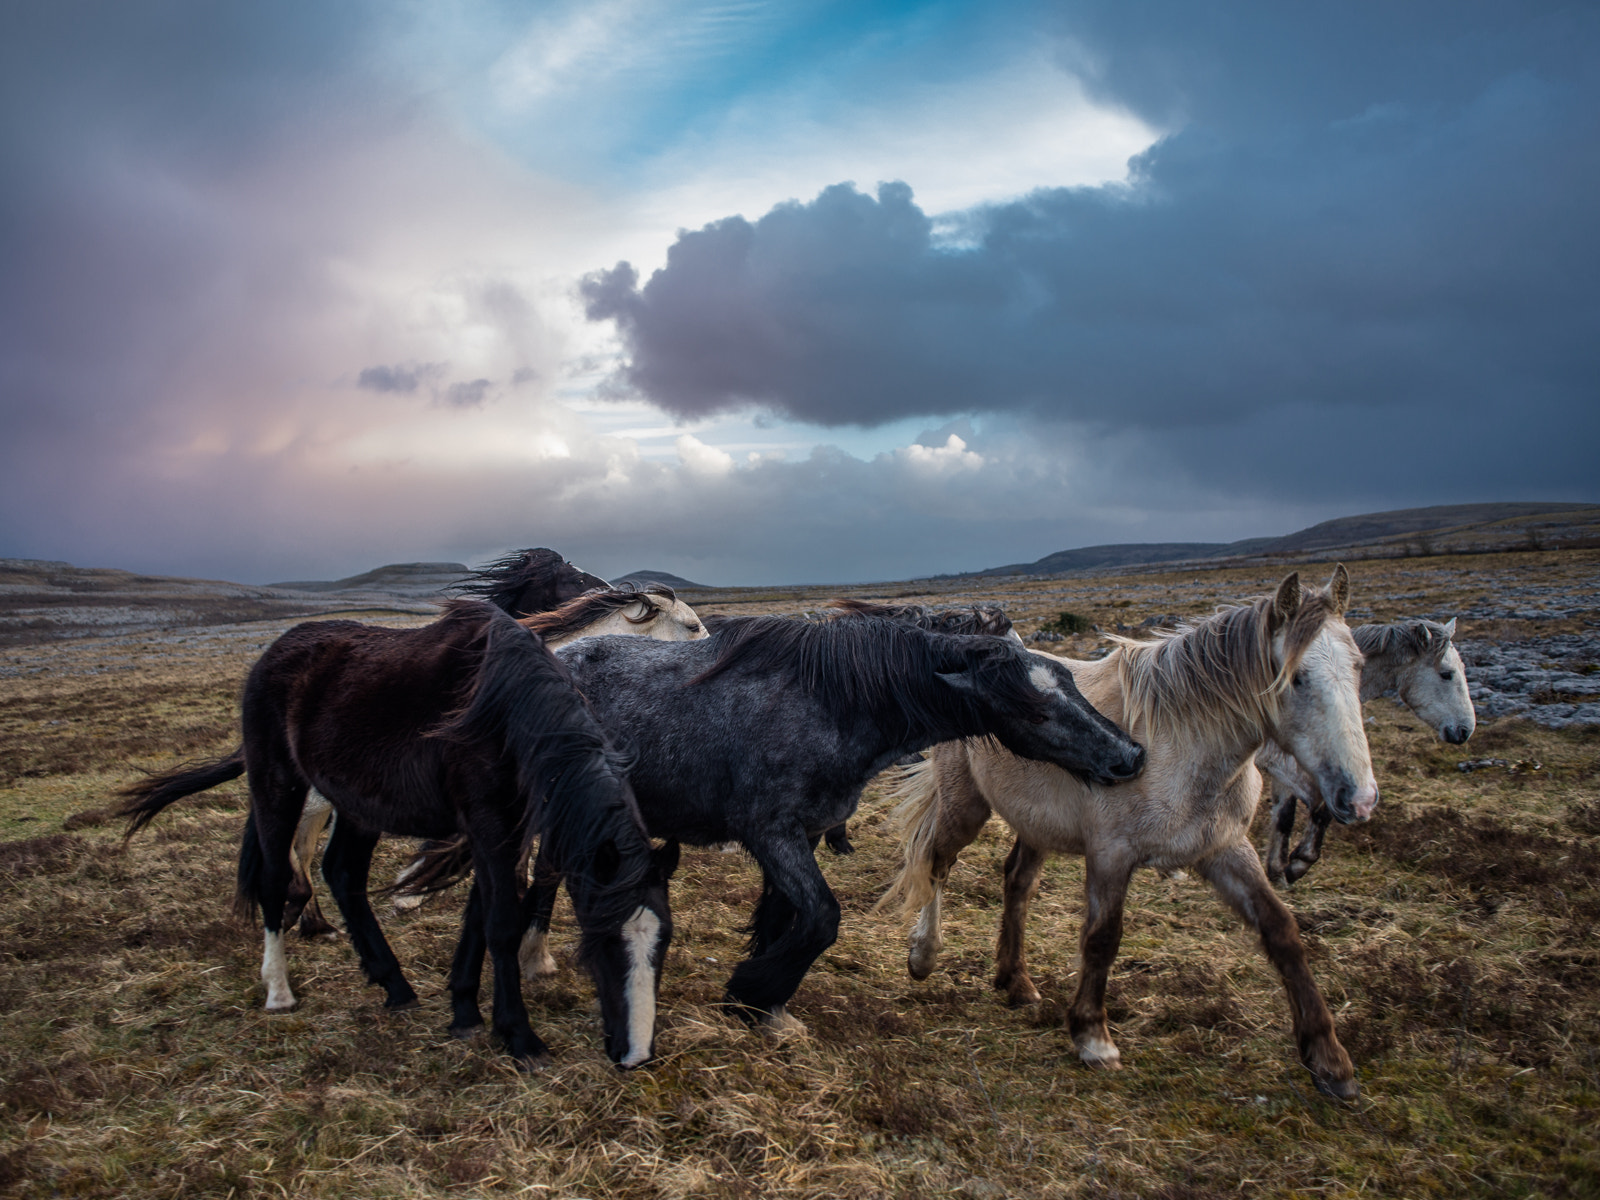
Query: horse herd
[{"x": 531, "y": 722}]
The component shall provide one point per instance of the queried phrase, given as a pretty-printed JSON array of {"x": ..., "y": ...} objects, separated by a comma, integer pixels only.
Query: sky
[{"x": 782, "y": 292}]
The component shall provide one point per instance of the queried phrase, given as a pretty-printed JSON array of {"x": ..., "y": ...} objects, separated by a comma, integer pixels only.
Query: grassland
[{"x": 1453, "y": 937}]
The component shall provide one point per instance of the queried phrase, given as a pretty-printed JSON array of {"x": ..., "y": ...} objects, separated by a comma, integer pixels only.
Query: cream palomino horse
[
  {"x": 1202, "y": 699},
  {"x": 653, "y": 611},
  {"x": 1417, "y": 660}
]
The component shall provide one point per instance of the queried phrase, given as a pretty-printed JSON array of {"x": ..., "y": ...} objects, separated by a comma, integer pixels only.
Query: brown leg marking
[
  {"x": 1023, "y": 866},
  {"x": 1310, "y": 848},
  {"x": 1236, "y": 874},
  {"x": 1105, "y": 887},
  {"x": 1284, "y": 806}
]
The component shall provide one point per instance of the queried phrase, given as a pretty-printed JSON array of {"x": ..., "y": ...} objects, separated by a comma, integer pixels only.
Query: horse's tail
[
  {"x": 143, "y": 800},
  {"x": 247, "y": 894},
  {"x": 437, "y": 865},
  {"x": 916, "y": 789}
]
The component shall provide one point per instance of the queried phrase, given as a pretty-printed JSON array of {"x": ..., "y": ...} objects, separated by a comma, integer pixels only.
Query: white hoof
[
  {"x": 534, "y": 956},
  {"x": 1097, "y": 1052},
  {"x": 783, "y": 1024},
  {"x": 408, "y": 903},
  {"x": 280, "y": 1000}
]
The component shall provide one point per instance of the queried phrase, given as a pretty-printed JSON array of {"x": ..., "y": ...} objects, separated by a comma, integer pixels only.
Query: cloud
[
  {"x": 467, "y": 394},
  {"x": 1362, "y": 229},
  {"x": 401, "y": 377}
]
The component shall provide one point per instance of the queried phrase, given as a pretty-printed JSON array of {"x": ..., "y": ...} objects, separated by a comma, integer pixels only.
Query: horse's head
[
  {"x": 1318, "y": 719},
  {"x": 1034, "y": 708},
  {"x": 663, "y": 616},
  {"x": 1433, "y": 684},
  {"x": 625, "y": 957}
]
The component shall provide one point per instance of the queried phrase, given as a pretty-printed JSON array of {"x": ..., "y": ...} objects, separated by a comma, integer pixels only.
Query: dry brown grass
[{"x": 1453, "y": 937}]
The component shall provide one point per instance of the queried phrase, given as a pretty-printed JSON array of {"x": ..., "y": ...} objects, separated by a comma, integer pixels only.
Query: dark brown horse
[{"x": 466, "y": 727}]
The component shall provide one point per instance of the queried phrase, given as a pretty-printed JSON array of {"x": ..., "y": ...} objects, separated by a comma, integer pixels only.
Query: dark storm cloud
[
  {"x": 400, "y": 377},
  {"x": 466, "y": 394},
  {"x": 1373, "y": 215}
]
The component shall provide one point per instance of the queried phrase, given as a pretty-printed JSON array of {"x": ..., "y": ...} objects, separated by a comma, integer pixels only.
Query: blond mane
[{"x": 1215, "y": 676}]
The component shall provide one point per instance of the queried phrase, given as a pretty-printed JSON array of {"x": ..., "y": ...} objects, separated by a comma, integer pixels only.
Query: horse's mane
[
  {"x": 575, "y": 784},
  {"x": 577, "y": 615},
  {"x": 506, "y": 580},
  {"x": 1411, "y": 638},
  {"x": 977, "y": 618},
  {"x": 874, "y": 668},
  {"x": 1216, "y": 674}
]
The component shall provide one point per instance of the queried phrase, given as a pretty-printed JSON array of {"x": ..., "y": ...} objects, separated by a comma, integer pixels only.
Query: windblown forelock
[{"x": 1416, "y": 637}]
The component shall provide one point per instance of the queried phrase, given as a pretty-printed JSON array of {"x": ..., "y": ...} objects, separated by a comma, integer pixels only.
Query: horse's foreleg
[
  {"x": 796, "y": 919},
  {"x": 346, "y": 862},
  {"x": 1105, "y": 887},
  {"x": 1023, "y": 866},
  {"x": 494, "y": 860},
  {"x": 1236, "y": 874},
  {"x": 537, "y": 907},
  {"x": 1310, "y": 848},
  {"x": 838, "y": 839},
  {"x": 466, "y": 968},
  {"x": 1284, "y": 806}
]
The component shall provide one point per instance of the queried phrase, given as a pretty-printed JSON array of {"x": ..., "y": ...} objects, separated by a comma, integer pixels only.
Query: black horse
[
  {"x": 766, "y": 732},
  {"x": 466, "y": 727}
]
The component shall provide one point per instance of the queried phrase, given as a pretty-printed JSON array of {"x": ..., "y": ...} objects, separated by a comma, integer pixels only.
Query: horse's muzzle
[{"x": 1456, "y": 734}]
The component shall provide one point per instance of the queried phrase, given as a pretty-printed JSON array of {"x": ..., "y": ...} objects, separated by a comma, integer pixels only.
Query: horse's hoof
[
  {"x": 920, "y": 961},
  {"x": 408, "y": 903},
  {"x": 842, "y": 846},
  {"x": 402, "y": 1005},
  {"x": 464, "y": 1033},
  {"x": 1295, "y": 871},
  {"x": 780, "y": 1023},
  {"x": 1098, "y": 1053},
  {"x": 534, "y": 1064},
  {"x": 1337, "y": 1089},
  {"x": 282, "y": 1006}
]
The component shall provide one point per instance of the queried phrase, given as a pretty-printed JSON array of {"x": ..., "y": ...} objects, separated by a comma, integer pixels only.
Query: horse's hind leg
[
  {"x": 1236, "y": 874},
  {"x": 345, "y": 866},
  {"x": 1023, "y": 866},
  {"x": 838, "y": 839},
  {"x": 1284, "y": 806},
  {"x": 276, "y": 792},
  {"x": 1309, "y": 850},
  {"x": 466, "y": 969},
  {"x": 502, "y": 932},
  {"x": 1105, "y": 886},
  {"x": 795, "y": 921},
  {"x": 956, "y": 815},
  {"x": 302, "y": 891}
]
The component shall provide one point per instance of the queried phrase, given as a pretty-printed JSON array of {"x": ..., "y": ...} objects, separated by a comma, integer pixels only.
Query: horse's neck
[{"x": 1379, "y": 674}]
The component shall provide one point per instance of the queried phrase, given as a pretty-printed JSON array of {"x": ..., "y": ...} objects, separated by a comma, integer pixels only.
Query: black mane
[
  {"x": 877, "y": 668},
  {"x": 975, "y": 619},
  {"x": 529, "y": 581}
]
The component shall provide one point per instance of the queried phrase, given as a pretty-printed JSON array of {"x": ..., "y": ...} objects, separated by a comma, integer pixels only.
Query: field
[{"x": 1452, "y": 935}]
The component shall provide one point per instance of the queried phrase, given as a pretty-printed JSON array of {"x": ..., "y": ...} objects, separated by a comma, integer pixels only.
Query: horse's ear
[
  {"x": 1287, "y": 602},
  {"x": 1450, "y": 628},
  {"x": 1339, "y": 590},
  {"x": 962, "y": 681},
  {"x": 666, "y": 859}
]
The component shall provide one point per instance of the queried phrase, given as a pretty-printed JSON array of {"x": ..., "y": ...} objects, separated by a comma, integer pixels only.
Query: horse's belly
[{"x": 1045, "y": 806}]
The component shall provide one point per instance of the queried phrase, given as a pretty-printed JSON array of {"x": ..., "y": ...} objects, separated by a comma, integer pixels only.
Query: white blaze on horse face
[
  {"x": 1041, "y": 677},
  {"x": 1321, "y": 725},
  {"x": 1436, "y": 690},
  {"x": 640, "y": 934},
  {"x": 275, "y": 974}
]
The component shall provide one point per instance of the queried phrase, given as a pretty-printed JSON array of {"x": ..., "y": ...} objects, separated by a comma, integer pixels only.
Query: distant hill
[
  {"x": 677, "y": 582},
  {"x": 402, "y": 579},
  {"x": 1439, "y": 529}
]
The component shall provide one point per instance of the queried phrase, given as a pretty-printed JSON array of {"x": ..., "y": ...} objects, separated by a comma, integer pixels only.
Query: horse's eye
[
  {"x": 1298, "y": 679},
  {"x": 694, "y": 628},
  {"x": 1447, "y": 674}
]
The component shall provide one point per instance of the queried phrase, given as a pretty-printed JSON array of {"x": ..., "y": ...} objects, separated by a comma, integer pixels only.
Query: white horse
[
  {"x": 1417, "y": 660},
  {"x": 653, "y": 611},
  {"x": 1202, "y": 700}
]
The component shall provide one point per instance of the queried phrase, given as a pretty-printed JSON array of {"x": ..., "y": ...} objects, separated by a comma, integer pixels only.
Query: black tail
[
  {"x": 143, "y": 800},
  {"x": 247, "y": 895}
]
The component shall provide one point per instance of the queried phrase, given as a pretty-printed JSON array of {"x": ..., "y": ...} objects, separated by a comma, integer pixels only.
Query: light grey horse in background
[{"x": 1414, "y": 658}]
